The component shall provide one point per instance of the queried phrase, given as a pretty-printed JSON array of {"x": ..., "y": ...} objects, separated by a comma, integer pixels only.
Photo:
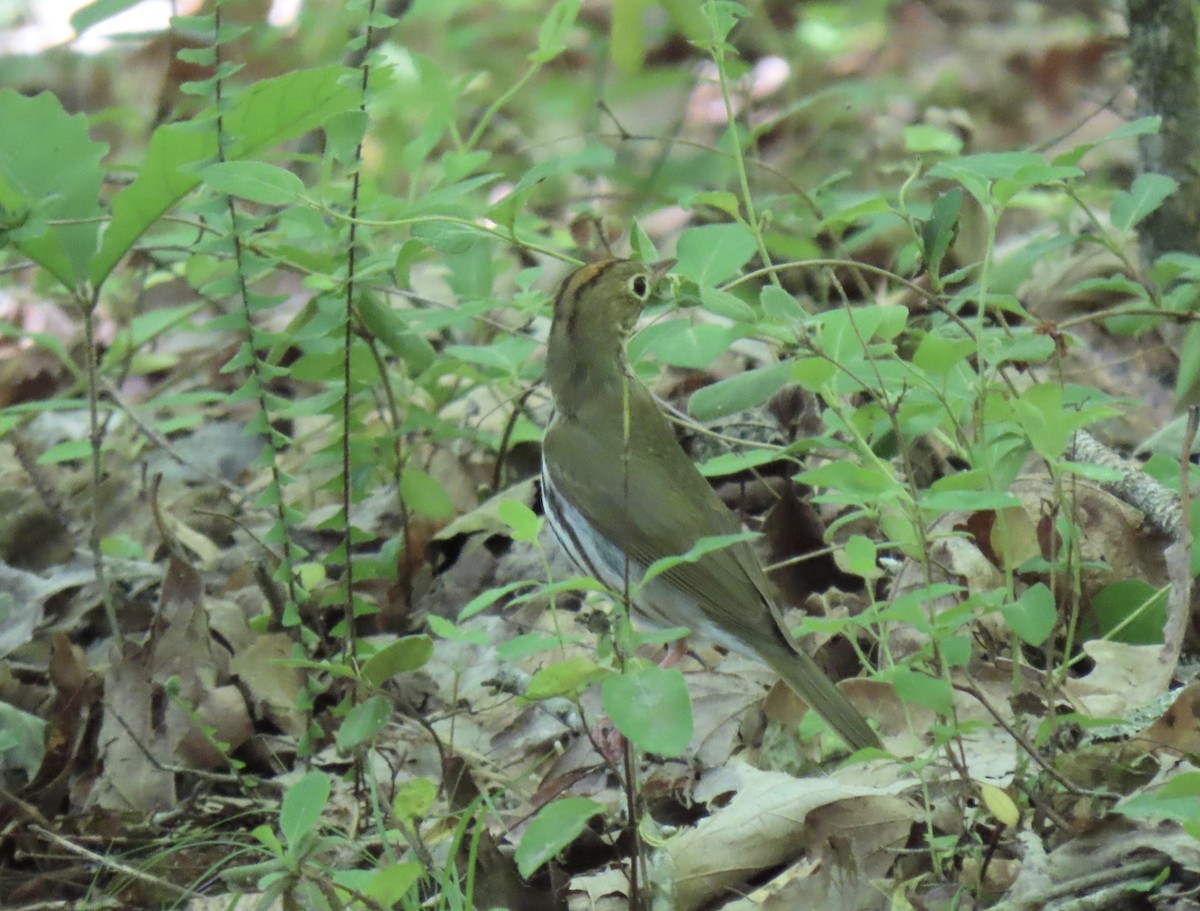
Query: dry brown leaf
[{"x": 773, "y": 819}]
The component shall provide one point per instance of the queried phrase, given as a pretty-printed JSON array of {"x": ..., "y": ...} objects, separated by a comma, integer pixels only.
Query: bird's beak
[{"x": 661, "y": 268}]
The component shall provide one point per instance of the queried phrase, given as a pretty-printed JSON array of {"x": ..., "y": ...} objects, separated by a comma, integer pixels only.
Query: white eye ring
[{"x": 639, "y": 286}]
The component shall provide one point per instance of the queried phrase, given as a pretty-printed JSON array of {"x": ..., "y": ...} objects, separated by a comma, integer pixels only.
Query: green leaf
[
  {"x": 651, "y": 708},
  {"x": 922, "y": 139},
  {"x": 97, "y": 11},
  {"x": 862, "y": 557},
  {"x": 710, "y": 254},
  {"x": 414, "y": 799},
  {"x": 363, "y": 722},
  {"x": 938, "y": 353},
  {"x": 1131, "y": 610},
  {"x": 851, "y": 478},
  {"x": 1188, "y": 377},
  {"x": 424, "y": 495},
  {"x": 1033, "y": 615},
  {"x": 1141, "y": 127},
  {"x": 780, "y": 305},
  {"x": 552, "y": 33},
  {"x": 564, "y": 678},
  {"x": 22, "y": 739},
  {"x": 1040, "y": 412},
  {"x": 812, "y": 373},
  {"x": 678, "y": 343},
  {"x": 256, "y": 181},
  {"x": 556, "y": 825},
  {"x": 268, "y": 113},
  {"x": 49, "y": 170},
  {"x": 406, "y": 654},
  {"x": 302, "y": 806},
  {"x": 943, "y": 501},
  {"x": 722, "y": 303},
  {"x": 526, "y": 525},
  {"x": 1178, "y": 800},
  {"x": 939, "y": 232},
  {"x": 734, "y": 462},
  {"x": 738, "y": 393},
  {"x": 487, "y": 598},
  {"x": 66, "y": 452},
  {"x": 932, "y": 692},
  {"x": 448, "y": 236},
  {"x": 705, "y": 545},
  {"x": 386, "y": 324},
  {"x": 386, "y": 885},
  {"x": 1148, "y": 192}
]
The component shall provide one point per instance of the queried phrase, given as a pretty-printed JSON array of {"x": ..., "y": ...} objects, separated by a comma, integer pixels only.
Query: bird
[{"x": 619, "y": 492}]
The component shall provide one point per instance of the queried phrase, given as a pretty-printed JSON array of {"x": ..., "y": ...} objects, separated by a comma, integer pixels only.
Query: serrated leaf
[
  {"x": 50, "y": 170},
  {"x": 270, "y": 112}
]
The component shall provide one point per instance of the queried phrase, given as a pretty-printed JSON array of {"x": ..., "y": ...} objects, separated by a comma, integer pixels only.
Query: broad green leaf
[
  {"x": 1178, "y": 799},
  {"x": 66, "y": 452},
  {"x": 302, "y": 806},
  {"x": 705, "y": 545},
  {"x": 49, "y": 170},
  {"x": 922, "y": 139},
  {"x": 556, "y": 825},
  {"x": 651, "y": 708},
  {"x": 385, "y": 884},
  {"x": 414, "y": 799},
  {"x": 932, "y": 692},
  {"x": 738, "y": 393},
  {"x": 1148, "y": 192},
  {"x": 97, "y": 11},
  {"x": 861, "y": 557},
  {"x": 564, "y": 678},
  {"x": 1033, "y": 615},
  {"x": 711, "y": 254},
  {"x": 1141, "y": 127},
  {"x": 256, "y": 181},
  {"x": 938, "y": 353},
  {"x": 733, "y": 462},
  {"x": 1131, "y": 610},
  {"x": 363, "y": 722},
  {"x": 678, "y": 343},
  {"x": 1188, "y": 377},
  {"x": 406, "y": 654},
  {"x": 268, "y": 113},
  {"x": 448, "y": 236},
  {"x": 552, "y": 34},
  {"x": 526, "y": 525},
  {"x": 778, "y": 304},
  {"x": 939, "y": 232},
  {"x": 725, "y": 304},
  {"x": 943, "y": 501},
  {"x": 424, "y": 495}
]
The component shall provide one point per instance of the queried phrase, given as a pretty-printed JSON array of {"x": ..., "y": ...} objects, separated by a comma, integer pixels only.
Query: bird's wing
[{"x": 668, "y": 507}]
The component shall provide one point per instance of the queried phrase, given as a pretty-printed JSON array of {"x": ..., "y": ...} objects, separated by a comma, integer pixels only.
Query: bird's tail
[{"x": 802, "y": 674}]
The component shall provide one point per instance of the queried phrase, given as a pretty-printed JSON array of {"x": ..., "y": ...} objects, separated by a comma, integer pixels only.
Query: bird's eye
[{"x": 639, "y": 287}]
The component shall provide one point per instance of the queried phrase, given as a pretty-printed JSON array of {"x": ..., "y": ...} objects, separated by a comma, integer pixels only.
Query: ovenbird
[{"x": 620, "y": 493}]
